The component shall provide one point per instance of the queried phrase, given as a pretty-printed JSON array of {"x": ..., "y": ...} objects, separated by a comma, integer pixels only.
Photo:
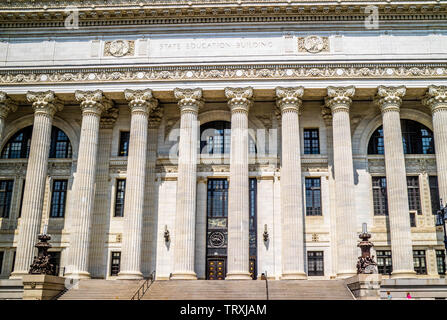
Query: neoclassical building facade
[{"x": 222, "y": 140}]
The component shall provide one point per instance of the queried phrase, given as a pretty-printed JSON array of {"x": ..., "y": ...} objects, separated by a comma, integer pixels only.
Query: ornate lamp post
[
  {"x": 366, "y": 263},
  {"x": 41, "y": 263}
]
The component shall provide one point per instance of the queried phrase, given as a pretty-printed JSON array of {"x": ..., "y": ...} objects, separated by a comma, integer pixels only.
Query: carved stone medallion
[
  {"x": 119, "y": 48},
  {"x": 313, "y": 44}
]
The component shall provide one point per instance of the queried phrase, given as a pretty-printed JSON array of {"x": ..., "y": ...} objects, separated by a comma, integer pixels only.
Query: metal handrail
[
  {"x": 266, "y": 284},
  {"x": 144, "y": 287}
]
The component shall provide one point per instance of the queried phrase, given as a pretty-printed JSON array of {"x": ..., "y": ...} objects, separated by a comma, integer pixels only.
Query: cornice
[
  {"x": 29, "y": 13},
  {"x": 223, "y": 72}
]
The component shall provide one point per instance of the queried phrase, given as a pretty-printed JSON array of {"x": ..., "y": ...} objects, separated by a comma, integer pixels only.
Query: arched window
[
  {"x": 215, "y": 138},
  {"x": 416, "y": 139},
  {"x": 19, "y": 144}
]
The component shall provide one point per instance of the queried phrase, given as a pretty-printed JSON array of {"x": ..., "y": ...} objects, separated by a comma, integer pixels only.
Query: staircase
[
  {"x": 248, "y": 290},
  {"x": 309, "y": 290},
  {"x": 98, "y": 289}
]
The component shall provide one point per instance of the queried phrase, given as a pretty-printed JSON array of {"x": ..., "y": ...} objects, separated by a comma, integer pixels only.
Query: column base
[
  {"x": 130, "y": 275},
  {"x": 294, "y": 276},
  {"x": 18, "y": 274},
  {"x": 184, "y": 276},
  {"x": 400, "y": 274},
  {"x": 238, "y": 276},
  {"x": 78, "y": 275},
  {"x": 346, "y": 274}
]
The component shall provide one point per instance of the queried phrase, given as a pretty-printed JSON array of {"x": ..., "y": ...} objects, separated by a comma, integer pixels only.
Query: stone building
[{"x": 223, "y": 140}]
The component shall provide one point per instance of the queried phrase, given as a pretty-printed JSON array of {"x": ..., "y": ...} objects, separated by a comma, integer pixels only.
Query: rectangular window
[
  {"x": 412, "y": 220},
  {"x": 5, "y": 197},
  {"x": 58, "y": 198},
  {"x": 380, "y": 198},
  {"x": 21, "y": 198},
  {"x": 315, "y": 263},
  {"x": 115, "y": 263},
  {"x": 55, "y": 260},
  {"x": 2, "y": 254},
  {"x": 420, "y": 265},
  {"x": 311, "y": 141},
  {"x": 414, "y": 198},
  {"x": 124, "y": 144},
  {"x": 313, "y": 196},
  {"x": 384, "y": 262},
  {"x": 434, "y": 194},
  {"x": 119, "y": 197},
  {"x": 13, "y": 261},
  {"x": 440, "y": 261}
]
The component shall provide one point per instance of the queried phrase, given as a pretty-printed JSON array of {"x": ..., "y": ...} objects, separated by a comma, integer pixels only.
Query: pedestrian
[
  {"x": 408, "y": 295},
  {"x": 388, "y": 295}
]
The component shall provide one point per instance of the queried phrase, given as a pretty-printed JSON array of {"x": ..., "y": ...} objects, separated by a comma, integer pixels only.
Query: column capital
[
  {"x": 155, "y": 117},
  {"x": 289, "y": 99},
  {"x": 436, "y": 98},
  {"x": 189, "y": 100},
  {"x": 44, "y": 102},
  {"x": 239, "y": 99},
  {"x": 92, "y": 101},
  {"x": 339, "y": 98},
  {"x": 140, "y": 100},
  {"x": 7, "y": 105},
  {"x": 108, "y": 118},
  {"x": 389, "y": 98}
]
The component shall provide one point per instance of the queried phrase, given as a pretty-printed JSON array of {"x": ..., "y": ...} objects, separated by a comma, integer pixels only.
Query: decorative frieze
[{"x": 228, "y": 72}]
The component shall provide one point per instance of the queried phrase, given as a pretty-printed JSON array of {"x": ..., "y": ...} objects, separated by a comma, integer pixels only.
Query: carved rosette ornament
[
  {"x": 289, "y": 99},
  {"x": 189, "y": 100},
  {"x": 44, "y": 102},
  {"x": 239, "y": 99},
  {"x": 6, "y": 105},
  {"x": 92, "y": 101},
  {"x": 389, "y": 98},
  {"x": 339, "y": 98},
  {"x": 436, "y": 98},
  {"x": 140, "y": 100}
]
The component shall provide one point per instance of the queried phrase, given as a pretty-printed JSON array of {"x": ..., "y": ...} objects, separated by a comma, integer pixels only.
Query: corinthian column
[
  {"x": 6, "y": 106},
  {"x": 238, "y": 206},
  {"x": 389, "y": 100},
  {"x": 189, "y": 101},
  {"x": 140, "y": 103},
  {"x": 339, "y": 101},
  {"x": 436, "y": 99},
  {"x": 45, "y": 105},
  {"x": 92, "y": 103},
  {"x": 289, "y": 102}
]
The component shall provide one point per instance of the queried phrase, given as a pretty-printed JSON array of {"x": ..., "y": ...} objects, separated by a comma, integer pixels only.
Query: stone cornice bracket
[
  {"x": 189, "y": 100},
  {"x": 140, "y": 100},
  {"x": 44, "y": 102},
  {"x": 239, "y": 99},
  {"x": 436, "y": 98},
  {"x": 389, "y": 98},
  {"x": 339, "y": 98},
  {"x": 7, "y": 105},
  {"x": 92, "y": 101},
  {"x": 289, "y": 99}
]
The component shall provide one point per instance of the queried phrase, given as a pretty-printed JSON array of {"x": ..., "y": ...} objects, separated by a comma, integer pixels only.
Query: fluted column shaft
[
  {"x": 45, "y": 105},
  {"x": 92, "y": 105},
  {"x": 436, "y": 99},
  {"x": 135, "y": 181},
  {"x": 389, "y": 101},
  {"x": 339, "y": 100},
  {"x": 185, "y": 218},
  {"x": 289, "y": 103},
  {"x": 238, "y": 193}
]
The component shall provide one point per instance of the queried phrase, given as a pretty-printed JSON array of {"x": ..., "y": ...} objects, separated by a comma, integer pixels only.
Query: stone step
[{"x": 98, "y": 289}]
